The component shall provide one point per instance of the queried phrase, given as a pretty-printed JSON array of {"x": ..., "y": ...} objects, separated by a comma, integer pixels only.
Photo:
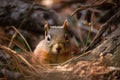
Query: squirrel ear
[
  {"x": 46, "y": 28},
  {"x": 65, "y": 25}
]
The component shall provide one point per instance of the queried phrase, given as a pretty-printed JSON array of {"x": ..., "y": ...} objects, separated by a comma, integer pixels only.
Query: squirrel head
[{"x": 56, "y": 38}]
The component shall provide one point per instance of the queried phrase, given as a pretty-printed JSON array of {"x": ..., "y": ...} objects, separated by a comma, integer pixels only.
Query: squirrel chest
[{"x": 55, "y": 48}]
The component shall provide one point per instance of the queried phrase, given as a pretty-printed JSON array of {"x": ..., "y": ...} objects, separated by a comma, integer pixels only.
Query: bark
[
  {"x": 109, "y": 48},
  {"x": 26, "y": 14}
]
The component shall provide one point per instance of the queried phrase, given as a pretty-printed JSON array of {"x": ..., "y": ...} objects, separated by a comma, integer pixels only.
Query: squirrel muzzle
[{"x": 58, "y": 48}]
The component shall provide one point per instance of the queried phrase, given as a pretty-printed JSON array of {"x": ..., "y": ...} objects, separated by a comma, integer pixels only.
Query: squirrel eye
[
  {"x": 48, "y": 38},
  {"x": 66, "y": 37}
]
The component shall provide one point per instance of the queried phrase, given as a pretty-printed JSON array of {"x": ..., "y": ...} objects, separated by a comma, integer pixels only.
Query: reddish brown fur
[
  {"x": 55, "y": 48},
  {"x": 42, "y": 56}
]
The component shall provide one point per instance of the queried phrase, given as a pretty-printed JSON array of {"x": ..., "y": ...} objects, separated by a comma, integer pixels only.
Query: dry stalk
[
  {"x": 15, "y": 54},
  {"x": 23, "y": 38}
]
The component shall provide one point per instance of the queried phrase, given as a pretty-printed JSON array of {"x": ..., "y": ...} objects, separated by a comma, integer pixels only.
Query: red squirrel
[{"x": 55, "y": 48}]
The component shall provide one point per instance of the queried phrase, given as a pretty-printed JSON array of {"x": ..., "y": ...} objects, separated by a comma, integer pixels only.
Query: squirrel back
[{"x": 55, "y": 48}]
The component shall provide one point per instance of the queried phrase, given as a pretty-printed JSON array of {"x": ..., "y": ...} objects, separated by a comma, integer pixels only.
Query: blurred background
[{"x": 29, "y": 17}]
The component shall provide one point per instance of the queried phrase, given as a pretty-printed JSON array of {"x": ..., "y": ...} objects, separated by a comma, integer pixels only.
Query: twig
[
  {"x": 15, "y": 42},
  {"x": 23, "y": 38},
  {"x": 87, "y": 6},
  {"x": 102, "y": 30},
  {"x": 75, "y": 59}
]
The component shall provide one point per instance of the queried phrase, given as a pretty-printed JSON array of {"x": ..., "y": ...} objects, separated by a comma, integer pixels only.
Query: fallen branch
[{"x": 102, "y": 30}]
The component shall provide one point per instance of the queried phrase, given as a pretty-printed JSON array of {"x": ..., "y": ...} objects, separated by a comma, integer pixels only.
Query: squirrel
[{"x": 55, "y": 48}]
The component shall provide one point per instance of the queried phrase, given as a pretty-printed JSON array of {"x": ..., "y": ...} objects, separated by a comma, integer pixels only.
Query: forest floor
[{"x": 94, "y": 35}]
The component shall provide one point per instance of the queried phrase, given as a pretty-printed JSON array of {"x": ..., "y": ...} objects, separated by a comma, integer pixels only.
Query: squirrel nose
[{"x": 58, "y": 48}]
